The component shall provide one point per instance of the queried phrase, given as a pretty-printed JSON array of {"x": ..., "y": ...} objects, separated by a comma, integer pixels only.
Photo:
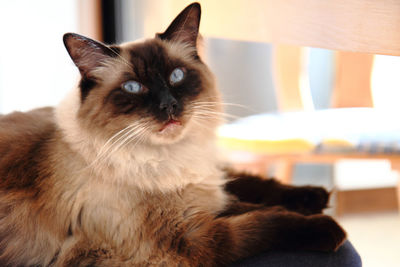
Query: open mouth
[{"x": 170, "y": 125}]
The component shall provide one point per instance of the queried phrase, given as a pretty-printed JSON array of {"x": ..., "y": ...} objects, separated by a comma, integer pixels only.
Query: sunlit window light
[
  {"x": 304, "y": 82},
  {"x": 385, "y": 82}
]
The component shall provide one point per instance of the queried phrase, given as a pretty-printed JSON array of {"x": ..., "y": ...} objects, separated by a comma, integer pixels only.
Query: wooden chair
[{"x": 366, "y": 26}]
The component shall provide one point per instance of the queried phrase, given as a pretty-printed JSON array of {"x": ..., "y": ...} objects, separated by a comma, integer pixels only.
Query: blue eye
[
  {"x": 132, "y": 87},
  {"x": 177, "y": 75}
]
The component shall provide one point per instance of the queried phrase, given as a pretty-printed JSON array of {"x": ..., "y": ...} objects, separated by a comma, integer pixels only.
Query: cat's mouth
[{"x": 170, "y": 125}]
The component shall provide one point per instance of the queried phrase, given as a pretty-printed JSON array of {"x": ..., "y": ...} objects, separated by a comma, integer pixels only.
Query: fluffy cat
[{"x": 124, "y": 172}]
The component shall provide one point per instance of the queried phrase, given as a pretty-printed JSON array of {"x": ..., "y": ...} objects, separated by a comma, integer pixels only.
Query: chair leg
[
  {"x": 398, "y": 195},
  {"x": 396, "y": 167},
  {"x": 284, "y": 171}
]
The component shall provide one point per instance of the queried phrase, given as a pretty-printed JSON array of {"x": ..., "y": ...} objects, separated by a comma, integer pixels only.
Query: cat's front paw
[
  {"x": 306, "y": 199},
  {"x": 324, "y": 233}
]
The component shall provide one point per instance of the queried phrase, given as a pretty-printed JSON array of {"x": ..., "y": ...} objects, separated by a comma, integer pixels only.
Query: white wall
[{"x": 35, "y": 69}]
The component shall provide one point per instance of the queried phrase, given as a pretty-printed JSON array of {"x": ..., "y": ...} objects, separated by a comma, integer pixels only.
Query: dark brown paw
[
  {"x": 306, "y": 199},
  {"x": 324, "y": 233}
]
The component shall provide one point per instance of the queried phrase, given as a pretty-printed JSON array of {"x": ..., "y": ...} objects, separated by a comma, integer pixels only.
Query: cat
[{"x": 125, "y": 171}]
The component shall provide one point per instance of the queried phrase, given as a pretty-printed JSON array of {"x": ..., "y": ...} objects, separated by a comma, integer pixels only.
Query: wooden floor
[
  {"x": 376, "y": 236},
  {"x": 366, "y": 200}
]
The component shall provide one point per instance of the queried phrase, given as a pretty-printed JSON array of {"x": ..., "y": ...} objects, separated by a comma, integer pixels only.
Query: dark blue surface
[{"x": 345, "y": 256}]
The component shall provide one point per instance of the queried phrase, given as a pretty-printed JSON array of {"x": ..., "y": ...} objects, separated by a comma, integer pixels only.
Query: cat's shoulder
[
  {"x": 19, "y": 127},
  {"x": 25, "y": 140},
  {"x": 35, "y": 119}
]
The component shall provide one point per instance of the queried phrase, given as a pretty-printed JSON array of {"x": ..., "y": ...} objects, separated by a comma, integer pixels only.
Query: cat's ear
[
  {"x": 86, "y": 53},
  {"x": 185, "y": 27}
]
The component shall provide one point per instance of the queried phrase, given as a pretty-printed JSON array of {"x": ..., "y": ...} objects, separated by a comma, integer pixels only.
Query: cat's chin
[
  {"x": 170, "y": 127},
  {"x": 170, "y": 132}
]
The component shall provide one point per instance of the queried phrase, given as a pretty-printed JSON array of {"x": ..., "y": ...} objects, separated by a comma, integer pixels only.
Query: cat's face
[{"x": 157, "y": 90}]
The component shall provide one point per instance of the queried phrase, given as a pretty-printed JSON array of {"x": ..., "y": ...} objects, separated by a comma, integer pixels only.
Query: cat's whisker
[
  {"x": 216, "y": 103},
  {"x": 139, "y": 140},
  {"x": 208, "y": 115},
  {"x": 131, "y": 136},
  {"x": 127, "y": 139},
  {"x": 204, "y": 120},
  {"x": 207, "y": 118},
  {"x": 118, "y": 145},
  {"x": 211, "y": 104},
  {"x": 201, "y": 122},
  {"x": 134, "y": 136},
  {"x": 110, "y": 143},
  {"x": 215, "y": 113},
  {"x": 205, "y": 107},
  {"x": 122, "y": 59},
  {"x": 115, "y": 136},
  {"x": 135, "y": 126}
]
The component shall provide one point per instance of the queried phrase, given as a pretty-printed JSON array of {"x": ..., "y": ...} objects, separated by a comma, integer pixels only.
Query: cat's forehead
[
  {"x": 144, "y": 60},
  {"x": 155, "y": 52}
]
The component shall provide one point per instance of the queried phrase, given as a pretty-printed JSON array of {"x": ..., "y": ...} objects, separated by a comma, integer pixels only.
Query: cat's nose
[{"x": 169, "y": 105}]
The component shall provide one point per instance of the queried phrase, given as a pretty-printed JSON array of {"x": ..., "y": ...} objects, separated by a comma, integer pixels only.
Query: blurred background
[{"x": 305, "y": 115}]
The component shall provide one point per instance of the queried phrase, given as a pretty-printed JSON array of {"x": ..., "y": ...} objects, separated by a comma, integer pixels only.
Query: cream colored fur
[
  {"x": 100, "y": 197},
  {"x": 113, "y": 193},
  {"x": 148, "y": 167}
]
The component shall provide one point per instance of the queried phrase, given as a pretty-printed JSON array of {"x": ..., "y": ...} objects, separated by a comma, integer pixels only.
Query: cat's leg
[
  {"x": 75, "y": 252},
  {"x": 255, "y": 189},
  {"x": 227, "y": 239},
  {"x": 210, "y": 241},
  {"x": 236, "y": 207}
]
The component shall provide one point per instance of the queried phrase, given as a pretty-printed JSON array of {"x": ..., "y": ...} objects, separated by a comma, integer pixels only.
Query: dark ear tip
[
  {"x": 70, "y": 34},
  {"x": 67, "y": 36},
  {"x": 195, "y": 5}
]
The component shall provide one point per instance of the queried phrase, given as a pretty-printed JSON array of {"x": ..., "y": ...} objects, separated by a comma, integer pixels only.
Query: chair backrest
[
  {"x": 352, "y": 27},
  {"x": 367, "y": 26}
]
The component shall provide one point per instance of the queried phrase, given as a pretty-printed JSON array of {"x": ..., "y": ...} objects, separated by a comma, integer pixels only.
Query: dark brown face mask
[{"x": 157, "y": 84}]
